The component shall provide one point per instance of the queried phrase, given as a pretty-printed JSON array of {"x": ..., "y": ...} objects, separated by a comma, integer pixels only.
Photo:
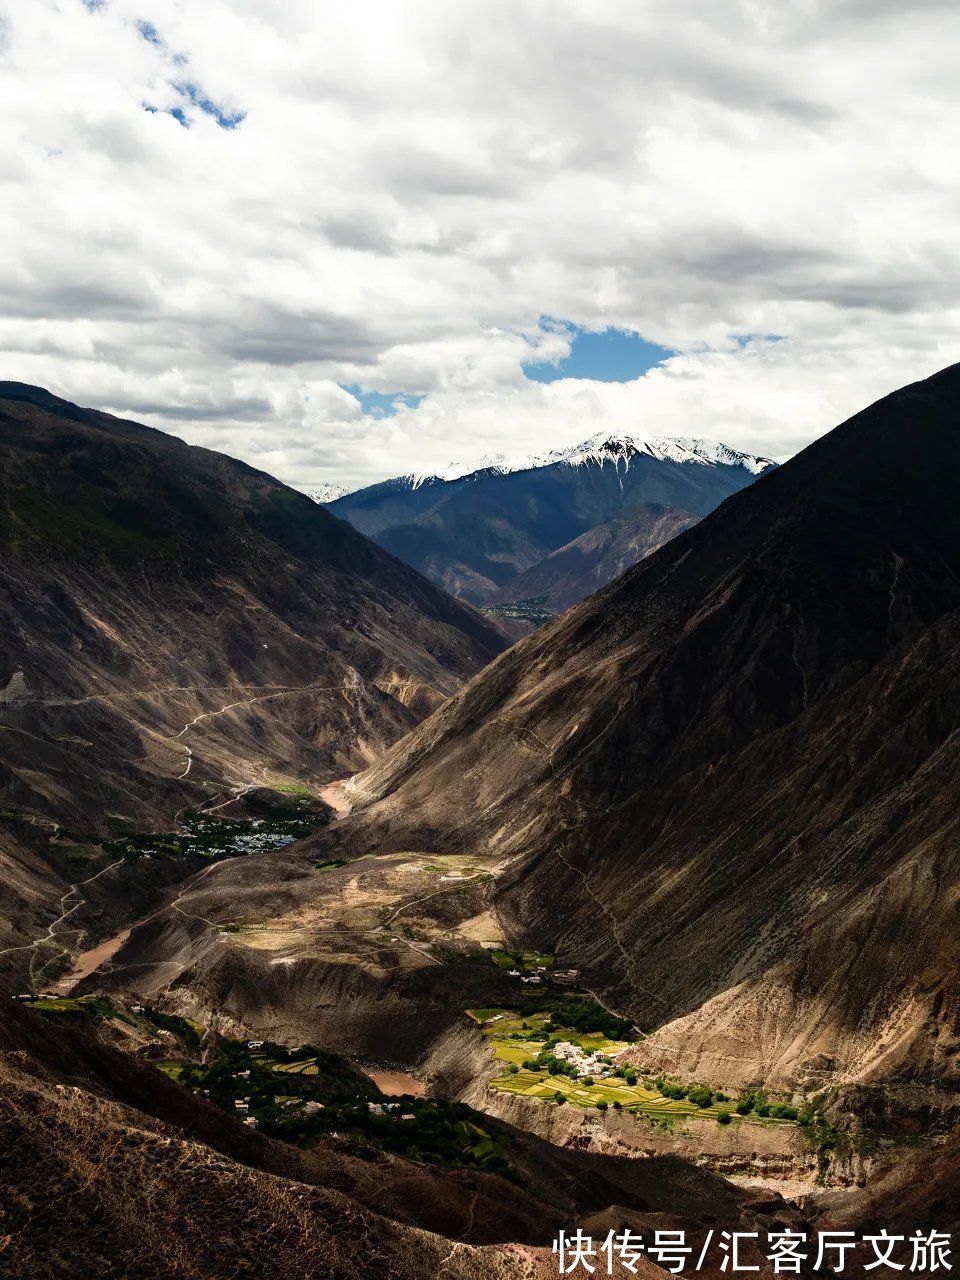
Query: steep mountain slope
[
  {"x": 583, "y": 566},
  {"x": 474, "y": 532},
  {"x": 107, "y": 1166},
  {"x": 173, "y": 622},
  {"x": 729, "y": 783}
]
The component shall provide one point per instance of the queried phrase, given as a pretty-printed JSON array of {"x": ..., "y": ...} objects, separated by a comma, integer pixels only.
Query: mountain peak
[
  {"x": 619, "y": 447},
  {"x": 323, "y": 493},
  {"x": 623, "y": 447}
]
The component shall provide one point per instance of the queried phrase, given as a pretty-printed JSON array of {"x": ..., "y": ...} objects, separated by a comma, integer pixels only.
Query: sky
[{"x": 349, "y": 241}]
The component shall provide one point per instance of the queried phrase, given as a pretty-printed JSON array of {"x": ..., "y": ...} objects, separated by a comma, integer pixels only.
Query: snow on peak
[
  {"x": 327, "y": 492},
  {"x": 617, "y": 447},
  {"x": 622, "y": 447}
]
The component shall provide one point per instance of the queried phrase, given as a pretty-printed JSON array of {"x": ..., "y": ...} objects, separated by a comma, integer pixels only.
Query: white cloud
[{"x": 414, "y": 185}]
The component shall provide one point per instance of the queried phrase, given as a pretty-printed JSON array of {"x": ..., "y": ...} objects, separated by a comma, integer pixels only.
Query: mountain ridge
[
  {"x": 473, "y": 531},
  {"x": 613, "y": 446}
]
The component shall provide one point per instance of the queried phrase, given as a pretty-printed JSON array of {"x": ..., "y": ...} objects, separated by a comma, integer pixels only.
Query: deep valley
[{"x": 401, "y": 947}]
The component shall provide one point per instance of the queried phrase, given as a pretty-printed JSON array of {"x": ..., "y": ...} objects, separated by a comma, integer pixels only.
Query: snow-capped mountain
[
  {"x": 474, "y": 528},
  {"x": 619, "y": 448},
  {"x": 324, "y": 493}
]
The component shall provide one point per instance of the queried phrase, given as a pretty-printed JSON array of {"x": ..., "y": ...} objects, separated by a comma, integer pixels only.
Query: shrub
[
  {"x": 700, "y": 1096},
  {"x": 587, "y": 1081},
  {"x": 602, "y": 1106},
  {"x": 559, "y": 1098},
  {"x": 724, "y": 1117}
]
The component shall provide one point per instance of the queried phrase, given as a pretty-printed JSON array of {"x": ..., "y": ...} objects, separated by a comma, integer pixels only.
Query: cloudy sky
[{"x": 347, "y": 240}]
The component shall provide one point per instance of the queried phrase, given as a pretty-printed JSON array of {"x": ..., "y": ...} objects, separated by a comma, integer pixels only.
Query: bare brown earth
[
  {"x": 726, "y": 787},
  {"x": 335, "y": 795},
  {"x": 394, "y": 1083},
  {"x": 175, "y": 627},
  {"x": 376, "y": 957},
  {"x": 87, "y": 962}
]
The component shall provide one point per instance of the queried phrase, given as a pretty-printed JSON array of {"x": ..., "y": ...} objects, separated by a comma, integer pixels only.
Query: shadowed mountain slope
[
  {"x": 107, "y": 1166},
  {"x": 729, "y": 782},
  {"x": 583, "y": 566},
  {"x": 475, "y": 533},
  {"x": 173, "y": 622}
]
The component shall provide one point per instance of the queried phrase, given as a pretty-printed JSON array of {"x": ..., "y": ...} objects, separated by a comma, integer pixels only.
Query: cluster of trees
[
  {"x": 445, "y": 1133},
  {"x": 579, "y": 1013},
  {"x": 627, "y": 1074},
  {"x": 439, "y": 1132},
  {"x": 180, "y": 1027},
  {"x": 698, "y": 1094},
  {"x": 757, "y": 1104}
]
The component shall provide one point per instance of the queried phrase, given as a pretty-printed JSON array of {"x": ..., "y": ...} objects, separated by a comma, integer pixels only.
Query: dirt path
[
  {"x": 50, "y": 934},
  {"x": 289, "y": 691},
  {"x": 88, "y": 962}
]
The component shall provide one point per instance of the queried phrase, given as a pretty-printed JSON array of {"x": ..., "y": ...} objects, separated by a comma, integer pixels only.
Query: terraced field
[{"x": 516, "y": 1039}]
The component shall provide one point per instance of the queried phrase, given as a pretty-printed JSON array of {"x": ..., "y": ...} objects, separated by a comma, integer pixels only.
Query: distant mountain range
[{"x": 479, "y": 532}]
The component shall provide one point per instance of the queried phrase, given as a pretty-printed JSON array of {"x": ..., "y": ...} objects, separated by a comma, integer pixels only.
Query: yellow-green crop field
[{"x": 500, "y": 1026}]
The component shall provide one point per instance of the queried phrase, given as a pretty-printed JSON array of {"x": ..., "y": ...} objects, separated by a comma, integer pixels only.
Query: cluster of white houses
[{"x": 588, "y": 1064}]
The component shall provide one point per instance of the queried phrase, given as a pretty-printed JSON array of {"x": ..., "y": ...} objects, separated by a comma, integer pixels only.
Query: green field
[
  {"x": 516, "y": 1039},
  {"x": 525, "y": 961}
]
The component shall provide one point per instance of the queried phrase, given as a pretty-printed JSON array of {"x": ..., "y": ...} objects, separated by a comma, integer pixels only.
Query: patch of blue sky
[
  {"x": 613, "y": 355},
  {"x": 197, "y": 98},
  {"x": 755, "y": 339},
  {"x": 382, "y": 404},
  {"x": 177, "y": 112},
  {"x": 189, "y": 90},
  {"x": 150, "y": 34}
]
